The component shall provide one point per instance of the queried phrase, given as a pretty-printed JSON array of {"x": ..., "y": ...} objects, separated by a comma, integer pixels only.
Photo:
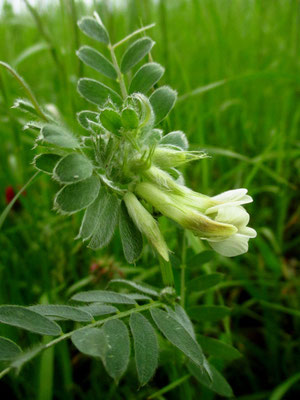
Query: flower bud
[
  {"x": 187, "y": 217},
  {"x": 165, "y": 157},
  {"x": 146, "y": 224}
]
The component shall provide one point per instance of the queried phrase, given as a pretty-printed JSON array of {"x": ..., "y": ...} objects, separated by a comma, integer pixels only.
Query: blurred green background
[{"x": 236, "y": 67}]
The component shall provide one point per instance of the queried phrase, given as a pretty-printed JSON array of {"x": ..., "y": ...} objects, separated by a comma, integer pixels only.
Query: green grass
[{"x": 249, "y": 124}]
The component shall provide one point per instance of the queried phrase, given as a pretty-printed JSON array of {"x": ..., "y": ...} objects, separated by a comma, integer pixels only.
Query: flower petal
[
  {"x": 230, "y": 195},
  {"x": 236, "y": 216},
  {"x": 234, "y": 246}
]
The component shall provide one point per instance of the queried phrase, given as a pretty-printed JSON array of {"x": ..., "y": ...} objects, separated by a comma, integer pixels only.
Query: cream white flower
[{"x": 221, "y": 219}]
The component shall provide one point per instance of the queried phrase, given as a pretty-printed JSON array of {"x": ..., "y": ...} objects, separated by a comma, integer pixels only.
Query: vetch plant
[{"x": 121, "y": 173}]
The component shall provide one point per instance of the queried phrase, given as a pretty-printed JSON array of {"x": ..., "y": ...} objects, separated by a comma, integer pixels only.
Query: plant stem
[
  {"x": 119, "y": 73},
  {"x": 166, "y": 272},
  {"x": 119, "y": 315},
  {"x": 169, "y": 387},
  {"x": 182, "y": 272}
]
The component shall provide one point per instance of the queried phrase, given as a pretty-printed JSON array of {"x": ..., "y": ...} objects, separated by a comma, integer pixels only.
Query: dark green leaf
[
  {"x": 146, "y": 77},
  {"x": 130, "y": 119},
  {"x": 218, "y": 349},
  {"x": 62, "y": 311},
  {"x": 98, "y": 309},
  {"x": 177, "y": 139},
  {"x": 135, "y": 53},
  {"x": 92, "y": 216},
  {"x": 141, "y": 287},
  {"x": 208, "y": 313},
  {"x": 46, "y": 162},
  {"x": 77, "y": 196},
  {"x": 131, "y": 237},
  {"x": 85, "y": 116},
  {"x": 96, "y": 92},
  {"x": 181, "y": 316},
  {"x": 103, "y": 296},
  {"x": 200, "y": 259},
  {"x": 94, "y": 29},
  {"x": 90, "y": 341},
  {"x": 145, "y": 347},
  {"x": 178, "y": 335},
  {"x": 204, "y": 282},
  {"x": 111, "y": 120},
  {"x": 107, "y": 222},
  {"x": 97, "y": 61},
  {"x": 29, "y": 320},
  {"x": 162, "y": 102},
  {"x": 117, "y": 355},
  {"x": 8, "y": 349},
  {"x": 25, "y": 356},
  {"x": 217, "y": 383},
  {"x": 73, "y": 168},
  {"x": 58, "y": 136}
]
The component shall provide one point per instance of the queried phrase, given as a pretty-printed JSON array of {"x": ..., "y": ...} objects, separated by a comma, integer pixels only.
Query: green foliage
[
  {"x": 96, "y": 60},
  {"x": 96, "y": 92},
  {"x": 162, "y": 100},
  {"x": 94, "y": 29},
  {"x": 73, "y": 168},
  {"x": 59, "y": 136},
  {"x": 146, "y": 77},
  {"x": 135, "y": 53},
  {"x": 29, "y": 320},
  {"x": 145, "y": 347},
  {"x": 8, "y": 349}
]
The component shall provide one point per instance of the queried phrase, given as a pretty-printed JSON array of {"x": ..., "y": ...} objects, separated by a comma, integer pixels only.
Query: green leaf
[
  {"x": 62, "y": 311},
  {"x": 152, "y": 137},
  {"x": 103, "y": 296},
  {"x": 178, "y": 335},
  {"x": 26, "y": 106},
  {"x": 73, "y": 168},
  {"x": 162, "y": 102},
  {"x": 107, "y": 222},
  {"x": 96, "y": 92},
  {"x": 77, "y": 196},
  {"x": 8, "y": 349},
  {"x": 117, "y": 354},
  {"x": 46, "y": 162},
  {"x": 131, "y": 237},
  {"x": 181, "y": 316},
  {"x": 135, "y": 53},
  {"x": 97, "y": 61},
  {"x": 111, "y": 120},
  {"x": 217, "y": 383},
  {"x": 98, "y": 309},
  {"x": 92, "y": 216},
  {"x": 146, "y": 77},
  {"x": 58, "y": 136},
  {"x": 208, "y": 313},
  {"x": 84, "y": 117},
  {"x": 204, "y": 282},
  {"x": 218, "y": 349},
  {"x": 130, "y": 119},
  {"x": 198, "y": 260},
  {"x": 176, "y": 139},
  {"x": 93, "y": 29},
  {"x": 29, "y": 320},
  {"x": 90, "y": 341},
  {"x": 145, "y": 347},
  {"x": 138, "y": 296},
  {"x": 137, "y": 286}
]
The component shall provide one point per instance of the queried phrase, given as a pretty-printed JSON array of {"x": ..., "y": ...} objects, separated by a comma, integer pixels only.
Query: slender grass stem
[
  {"x": 10, "y": 205},
  {"x": 169, "y": 387},
  {"x": 26, "y": 88}
]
